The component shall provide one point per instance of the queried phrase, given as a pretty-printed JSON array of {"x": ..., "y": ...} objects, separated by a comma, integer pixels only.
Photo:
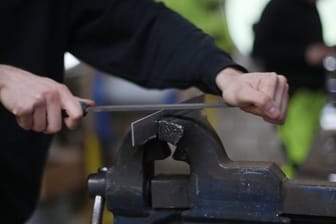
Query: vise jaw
[{"x": 216, "y": 190}]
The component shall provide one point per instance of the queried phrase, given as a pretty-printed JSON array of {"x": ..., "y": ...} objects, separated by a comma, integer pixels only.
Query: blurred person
[
  {"x": 289, "y": 40},
  {"x": 138, "y": 40}
]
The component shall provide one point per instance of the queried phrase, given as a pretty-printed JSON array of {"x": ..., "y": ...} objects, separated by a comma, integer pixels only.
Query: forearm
[{"x": 152, "y": 46}]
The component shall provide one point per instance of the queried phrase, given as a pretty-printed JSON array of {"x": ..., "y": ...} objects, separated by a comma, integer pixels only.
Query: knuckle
[
  {"x": 53, "y": 89},
  {"x": 39, "y": 101},
  {"x": 46, "y": 79},
  {"x": 62, "y": 87},
  {"x": 52, "y": 95},
  {"x": 273, "y": 76},
  {"x": 282, "y": 78},
  {"x": 269, "y": 80}
]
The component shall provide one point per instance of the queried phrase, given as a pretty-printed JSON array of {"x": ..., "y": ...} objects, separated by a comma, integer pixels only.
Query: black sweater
[
  {"x": 286, "y": 28},
  {"x": 135, "y": 39}
]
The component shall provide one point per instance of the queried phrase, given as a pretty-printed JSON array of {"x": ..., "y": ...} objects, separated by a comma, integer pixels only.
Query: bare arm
[{"x": 37, "y": 101}]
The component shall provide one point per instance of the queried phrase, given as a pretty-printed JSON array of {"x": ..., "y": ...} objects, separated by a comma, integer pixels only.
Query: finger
[
  {"x": 284, "y": 105},
  {"x": 283, "y": 109},
  {"x": 281, "y": 97},
  {"x": 74, "y": 115},
  {"x": 276, "y": 86},
  {"x": 273, "y": 121},
  {"x": 54, "y": 118},
  {"x": 39, "y": 118},
  {"x": 283, "y": 112},
  {"x": 256, "y": 111},
  {"x": 280, "y": 91},
  {"x": 25, "y": 121},
  {"x": 253, "y": 110},
  {"x": 269, "y": 85},
  {"x": 71, "y": 106}
]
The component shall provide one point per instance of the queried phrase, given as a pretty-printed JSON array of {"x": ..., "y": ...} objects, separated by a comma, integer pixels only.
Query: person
[
  {"x": 138, "y": 40},
  {"x": 289, "y": 40}
]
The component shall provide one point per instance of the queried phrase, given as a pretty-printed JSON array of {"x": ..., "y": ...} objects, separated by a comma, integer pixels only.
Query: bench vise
[{"x": 216, "y": 189}]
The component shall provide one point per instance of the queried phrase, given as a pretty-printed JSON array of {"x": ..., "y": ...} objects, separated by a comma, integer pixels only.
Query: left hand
[{"x": 262, "y": 94}]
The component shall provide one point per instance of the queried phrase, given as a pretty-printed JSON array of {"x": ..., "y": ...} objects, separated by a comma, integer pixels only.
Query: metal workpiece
[
  {"x": 169, "y": 131},
  {"x": 146, "y": 128},
  {"x": 215, "y": 190}
]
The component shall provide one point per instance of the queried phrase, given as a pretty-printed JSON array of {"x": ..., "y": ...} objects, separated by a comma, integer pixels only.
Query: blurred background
[{"x": 76, "y": 154}]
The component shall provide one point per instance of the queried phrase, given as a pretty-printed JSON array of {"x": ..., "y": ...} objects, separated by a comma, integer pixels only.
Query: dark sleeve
[{"x": 146, "y": 43}]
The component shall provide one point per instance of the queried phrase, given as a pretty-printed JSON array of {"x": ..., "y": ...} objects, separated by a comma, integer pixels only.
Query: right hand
[{"x": 37, "y": 101}]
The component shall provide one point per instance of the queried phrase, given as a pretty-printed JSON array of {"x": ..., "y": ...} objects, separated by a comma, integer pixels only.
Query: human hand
[
  {"x": 315, "y": 53},
  {"x": 262, "y": 94},
  {"x": 37, "y": 101}
]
